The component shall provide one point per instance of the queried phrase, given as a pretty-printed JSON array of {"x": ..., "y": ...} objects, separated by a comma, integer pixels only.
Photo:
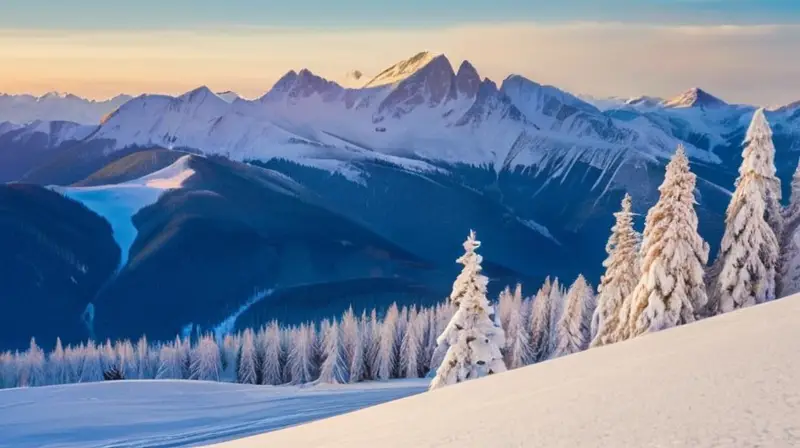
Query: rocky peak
[
  {"x": 467, "y": 80},
  {"x": 695, "y": 97}
]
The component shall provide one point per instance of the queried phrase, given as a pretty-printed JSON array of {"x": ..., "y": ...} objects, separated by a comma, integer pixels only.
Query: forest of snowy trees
[{"x": 653, "y": 281}]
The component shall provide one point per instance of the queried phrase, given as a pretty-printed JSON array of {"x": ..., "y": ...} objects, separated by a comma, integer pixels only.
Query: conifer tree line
[{"x": 654, "y": 280}]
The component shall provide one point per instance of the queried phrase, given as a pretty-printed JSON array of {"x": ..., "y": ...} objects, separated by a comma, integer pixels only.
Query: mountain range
[{"x": 186, "y": 213}]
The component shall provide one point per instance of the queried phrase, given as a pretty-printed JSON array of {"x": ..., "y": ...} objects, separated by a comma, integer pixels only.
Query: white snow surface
[
  {"x": 732, "y": 380},
  {"x": 119, "y": 203},
  {"x": 165, "y": 413}
]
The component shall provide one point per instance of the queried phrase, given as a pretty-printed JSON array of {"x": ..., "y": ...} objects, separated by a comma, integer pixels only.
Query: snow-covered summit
[
  {"x": 695, "y": 97},
  {"x": 401, "y": 70}
]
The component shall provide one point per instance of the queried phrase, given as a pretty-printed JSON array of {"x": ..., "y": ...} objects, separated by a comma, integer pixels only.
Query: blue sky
[
  {"x": 149, "y": 14},
  {"x": 741, "y": 50}
]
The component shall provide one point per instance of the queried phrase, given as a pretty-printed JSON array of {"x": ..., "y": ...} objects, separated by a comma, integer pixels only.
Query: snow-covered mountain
[
  {"x": 228, "y": 96},
  {"x": 55, "y": 106},
  {"x": 426, "y": 144}
]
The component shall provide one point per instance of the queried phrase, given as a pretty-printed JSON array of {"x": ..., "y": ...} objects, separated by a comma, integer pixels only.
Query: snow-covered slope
[
  {"x": 733, "y": 380},
  {"x": 120, "y": 202},
  {"x": 164, "y": 414},
  {"x": 56, "y": 106}
]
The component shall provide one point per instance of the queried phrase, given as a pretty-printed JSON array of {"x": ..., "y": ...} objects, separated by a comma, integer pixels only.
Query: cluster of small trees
[
  {"x": 653, "y": 281},
  {"x": 661, "y": 280}
]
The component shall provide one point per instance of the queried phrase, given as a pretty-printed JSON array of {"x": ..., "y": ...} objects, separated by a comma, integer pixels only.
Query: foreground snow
[
  {"x": 173, "y": 413},
  {"x": 733, "y": 380}
]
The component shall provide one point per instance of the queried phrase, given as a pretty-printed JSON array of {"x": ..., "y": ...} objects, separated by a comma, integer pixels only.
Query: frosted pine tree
[
  {"x": 270, "y": 343},
  {"x": 372, "y": 331},
  {"x": 206, "y": 361},
  {"x": 557, "y": 295},
  {"x": 144, "y": 360},
  {"x": 474, "y": 341},
  {"x": 108, "y": 356},
  {"x": 518, "y": 351},
  {"x": 572, "y": 331},
  {"x": 387, "y": 358},
  {"x": 505, "y": 303},
  {"x": 411, "y": 346},
  {"x": 748, "y": 257},
  {"x": 246, "y": 367},
  {"x": 32, "y": 371},
  {"x": 540, "y": 323},
  {"x": 334, "y": 367},
  {"x": 171, "y": 360},
  {"x": 620, "y": 278},
  {"x": 444, "y": 312},
  {"x": 671, "y": 286},
  {"x": 301, "y": 352},
  {"x": 92, "y": 367},
  {"x": 353, "y": 343},
  {"x": 790, "y": 243},
  {"x": 58, "y": 367},
  {"x": 127, "y": 359}
]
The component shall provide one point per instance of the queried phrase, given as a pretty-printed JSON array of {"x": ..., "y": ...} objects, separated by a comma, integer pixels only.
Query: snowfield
[
  {"x": 733, "y": 380},
  {"x": 173, "y": 413}
]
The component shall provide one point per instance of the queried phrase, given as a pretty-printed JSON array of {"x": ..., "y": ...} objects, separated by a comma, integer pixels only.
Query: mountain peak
[
  {"x": 199, "y": 93},
  {"x": 695, "y": 97},
  {"x": 354, "y": 79},
  {"x": 467, "y": 80},
  {"x": 403, "y": 69}
]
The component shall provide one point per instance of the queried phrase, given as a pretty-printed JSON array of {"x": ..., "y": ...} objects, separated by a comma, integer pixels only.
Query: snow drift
[{"x": 733, "y": 380}]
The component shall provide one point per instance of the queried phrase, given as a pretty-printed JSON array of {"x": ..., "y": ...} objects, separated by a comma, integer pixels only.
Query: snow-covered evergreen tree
[
  {"x": 144, "y": 360},
  {"x": 300, "y": 356},
  {"x": 789, "y": 278},
  {"x": 411, "y": 346},
  {"x": 353, "y": 343},
  {"x": 505, "y": 304},
  {"x": 92, "y": 368},
  {"x": 270, "y": 343},
  {"x": 572, "y": 331},
  {"x": 540, "y": 323},
  {"x": 334, "y": 366},
  {"x": 126, "y": 356},
  {"x": 58, "y": 367},
  {"x": 557, "y": 296},
  {"x": 748, "y": 257},
  {"x": 620, "y": 278},
  {"x": 474, "y": 341},
  {"x": 108, "y": 357},
  {"x": 247, "y": 362},
  {"x": 206, "y": 361},
  {"x": 31, "y": 367},
  {"x": 671, "y": 287},
  {"x": 518, "y": 352},
  {"x": 444, "y": 312},
  {"x": 387, "y": 358},
  {"x": 171, "y": 360}
]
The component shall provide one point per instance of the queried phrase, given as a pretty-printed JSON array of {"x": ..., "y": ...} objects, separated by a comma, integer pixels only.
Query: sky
[{"x": 741, "y": 50}]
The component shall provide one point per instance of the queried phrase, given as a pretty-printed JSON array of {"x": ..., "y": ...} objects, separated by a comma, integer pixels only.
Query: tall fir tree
[
  {"x": 748, "y": 257},
  {"x": 671, "y": 287},
  {"x": 518, "y": 351},
  {"x": 334, "y": 365},
  {"x": 387, "y": 357},
  {"x": 473, "y": 338},
  {"x": 272, "y": 352},
  {"x": 411, "y": 346},
  {"x": 619, "y": 280},
  {"x": 540, "y": 323},
  {"x": 300, "y": 355},
  {"x": 58, "y": 366},
  {"x": 353, "y": 342},
  {"x": 247, "y": 361},
  {"x": 572, "y": 331}
]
